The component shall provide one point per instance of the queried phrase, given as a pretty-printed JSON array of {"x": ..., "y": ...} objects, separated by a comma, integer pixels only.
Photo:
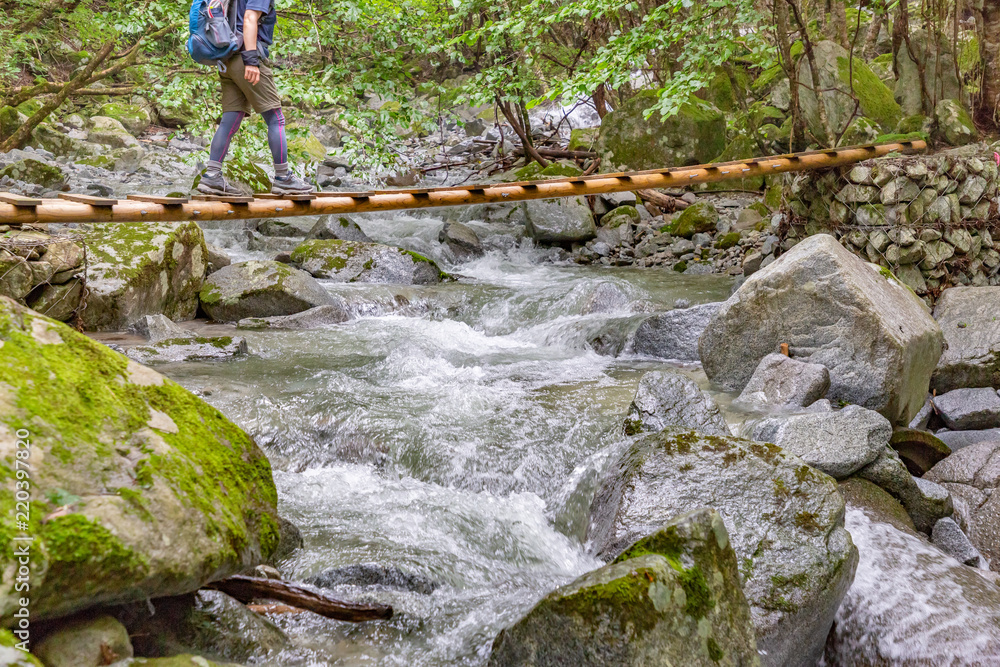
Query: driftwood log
[
  {"x": 248, "y": 589},
  {"x": 660, "y": 200}
]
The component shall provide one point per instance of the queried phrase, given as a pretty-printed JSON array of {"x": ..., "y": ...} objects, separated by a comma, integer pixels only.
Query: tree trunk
[
  {"x": 513, "y": 117},
  {"x": 824, "y": 119},
  {"x": 871, "y": 39},
  {"x": 988, "y": 102},
  {"x": 837, "y": 27}
]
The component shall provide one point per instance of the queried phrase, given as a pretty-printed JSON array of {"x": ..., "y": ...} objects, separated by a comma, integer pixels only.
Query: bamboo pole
[{"x": 62, "y": 211}]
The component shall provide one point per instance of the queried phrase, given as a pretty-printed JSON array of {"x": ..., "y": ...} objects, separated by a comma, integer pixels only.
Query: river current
[{"x": 453, "y": 432}]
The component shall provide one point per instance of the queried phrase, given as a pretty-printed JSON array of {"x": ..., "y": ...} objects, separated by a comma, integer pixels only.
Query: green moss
[
  {"x": 209, "y": 294},
  {"x": 726, "y": 241},
  {"x": 632, "y": 427},
  {"x": 875, "y": 98},
  {"x": 666, "y": 542},
  {"x": 73, "y": 541},
  {"x": 695, "y": 219},
  {"x": 34, "y": 171},
  {"x": 681, "y": 266},
  {"x": 714, "y": 651},
  {"x": 699, "y": 596},
  {"x": 896, "y": 137},
  {"x": 807, "y": 521}
]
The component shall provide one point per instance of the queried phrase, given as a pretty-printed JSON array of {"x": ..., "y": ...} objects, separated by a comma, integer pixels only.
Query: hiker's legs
[
  {"x": 223, "y": 136},
  {"x": 276, "y": 140}
]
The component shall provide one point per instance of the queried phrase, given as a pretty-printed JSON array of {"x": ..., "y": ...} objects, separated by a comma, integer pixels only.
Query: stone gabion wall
[
  {"x": 46, "y": 272},
  {"x": 930, "y": 219}
]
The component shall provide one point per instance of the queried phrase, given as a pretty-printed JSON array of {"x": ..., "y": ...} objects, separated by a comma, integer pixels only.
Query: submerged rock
[
  {"x": 784, "y": 518},
  {"x": 971, "y": 358},
  {"x": 149, "y": 491},
  {"x": 874, "y": 335},
  {"x": 143, "y": 269},
  {"x": 667, "y": 398},
  {"x": 260, "y": 289},
  {"x": 172, "y": 350},
  {"x": 85, "y": 641},
  {"x": 373, "y": 574},
  {"x": 970, "y": 409},
  {"x": 673, "y": 598},
  {"x": 674, "y": 334},
  {"x": 782, "y": 382},
  {"x": 911, "y": 605},
  {"x": 972, "y": 476},
  {"x": 606, "y": 297},
  {"x": 566, "y": 220},
  {"x": 351, "y": 261},
  {"x": 320, "y": 316},
  {"x": 462, "y": 240},
  {"x": 839, "y": 442}
]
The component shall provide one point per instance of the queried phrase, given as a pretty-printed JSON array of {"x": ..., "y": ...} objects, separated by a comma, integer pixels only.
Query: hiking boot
[
  {"x": 217, "y": 185},
  {"x": 291, "y": 185}
]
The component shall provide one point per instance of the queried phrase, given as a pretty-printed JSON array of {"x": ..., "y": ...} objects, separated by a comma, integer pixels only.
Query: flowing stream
[{"x": 450, "y": 431}]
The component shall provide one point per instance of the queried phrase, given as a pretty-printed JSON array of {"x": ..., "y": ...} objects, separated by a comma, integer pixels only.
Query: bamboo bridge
[{"x": 74, "y": 208}]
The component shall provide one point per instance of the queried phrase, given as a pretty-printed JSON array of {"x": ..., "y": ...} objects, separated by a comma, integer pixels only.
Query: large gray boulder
[
  {"x": 782, "y": 382},
  {"x": 956, "y": 440},
  {"x": 565, "y": 220},
  {"x": 630, "y": 141},
  {"x": 911, "y": 605},
  {"x": 969, "y": 409},
  {"x": 143, "y": 269},
  {"x": 838, "y": 442},
  {"x": 972, "y": 476},
  {"x": 462, "y": 240},
  {"x": 925, "y": 501},
  {"x": 354, "y": 261},
  {"x": 784, "y": 518},
  {"x": 875, "y": 336},
  {"x": 939, "y": 71},
  {"x": 668, "y": 398},
  {"x": 155, "y": 328},
  {"x": 260, "y": 289},
  {"x": 674, "y": 334},
  {"x": 147, "y": 490},
  {"x": 342, "y": 227},
  {"x": 968, "y": 318},
  {"x": 200, "y": 348},
  {"x": 320, "y": 316},
  {"x": 673, "y": 598}
]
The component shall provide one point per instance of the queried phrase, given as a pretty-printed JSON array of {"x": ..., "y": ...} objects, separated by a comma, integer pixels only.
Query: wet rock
[
  {"x": 782, "y": 382},
  {"x": 785, "y": 521},
  {"x": 919, "y": 450},
  {"x": 260, "y": 289},
  {"x": 971, "y": 476},
  {"x": 667, "y": 398},
  {"x": 35, "y": 171},
  {"x": 320, "y": 316},
  {"x": 147, "y": 456},
  {"x": 970, "y": 409},
  {"x": 289, "y": 540},
  {"x": 462, "y": 240},
  {"x": 972, "y": 352},
  {"x": 873, "y": 334},
  {"x": 695, "y": 135},
  {"x": 674, "y": 334},
  {"x": 838, "y": 443},
  {"x": 876, "y": 502},
  {"x": 85, "y": 642},
  {"x": 172, "y": 350},
  {"x": 143, "y": 269},
  {"x": 911, "y": 605},
  {"x": 673, "y": 598},
  {"x": 206, "y": 623},
  {"x": 281, "y": 228},
  {"x": 566, "y": 220},
  {"x": 352, "y": 261},
  {"x": 155, "y": 328},
  {"x": 217, "y": 258},
  {"x": 925, "y": 501},
  {"x": 373, "y": 574},
  {"x": 958, "y": 439},
  {"x": 949, "y": 538},
  {"x": 606, "y": 298}
]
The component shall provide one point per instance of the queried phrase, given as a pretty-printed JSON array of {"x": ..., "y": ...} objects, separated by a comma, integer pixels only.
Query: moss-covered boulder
[
  {"x": 260, "y": 289},
  {"x": 306, "y": 146},
  {"x": 143, "y": 269},
  {"x": 35, "y": 171},
  {"x": 953, "y": 124},
  {"x": 133, "y": 117},
  {"x": 138, "y": 488},
  {"x": 695, "y": 135},
  {"x": 940, "y": 74},
  {"x": 623, "y": 215},
  {"x": 358, "y": 262},
  {"x": 785, "y": 520},
  {"x": 110, "y": 132},
  {"x": 673, "y": 598},
  {"x": 17, "y": 277},
  {"x": 10, "y": 120},
  {"x": 842, "y": 79},
  {"x": 582, "y": 138},
  {"x": 338, "y": 227},
  {"x": 565, "y": 220},
  {"x": 535, "y": 171},
  {"x": 698, "y": 218}
]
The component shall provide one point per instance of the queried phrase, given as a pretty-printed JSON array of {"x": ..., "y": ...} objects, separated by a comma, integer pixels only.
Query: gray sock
[
  {"x": 281, "y": 170},
  {"x": 214, "y": 168}
]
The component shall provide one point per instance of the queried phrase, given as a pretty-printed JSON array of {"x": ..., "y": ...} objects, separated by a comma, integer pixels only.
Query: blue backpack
[{"x": 213, "y": 34}]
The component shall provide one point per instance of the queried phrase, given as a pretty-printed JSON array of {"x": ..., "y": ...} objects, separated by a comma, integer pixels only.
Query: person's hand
[{"x": 251, "y": 74}]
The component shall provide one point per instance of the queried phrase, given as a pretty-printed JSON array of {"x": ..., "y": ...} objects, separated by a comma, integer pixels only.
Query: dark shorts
[{"x": 239, "y": 95}]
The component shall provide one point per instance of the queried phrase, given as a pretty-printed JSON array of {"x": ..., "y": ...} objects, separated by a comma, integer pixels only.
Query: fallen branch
[
  {"x": 559, "y": 153},
  {"x": 660, "y": 200},
  {"x": 248, "y": 589}
]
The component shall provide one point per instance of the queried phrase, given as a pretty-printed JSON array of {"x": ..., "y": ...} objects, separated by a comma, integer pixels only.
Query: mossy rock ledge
[
  {"x": 260, "y": 289},
  {"x": 139, "y": 489},
  {"x": 359, "y": 262},
  {"x": 673, "y": 598},
  {"x": 143, "y": 269},
  {"x": 785, "y": 521}
]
